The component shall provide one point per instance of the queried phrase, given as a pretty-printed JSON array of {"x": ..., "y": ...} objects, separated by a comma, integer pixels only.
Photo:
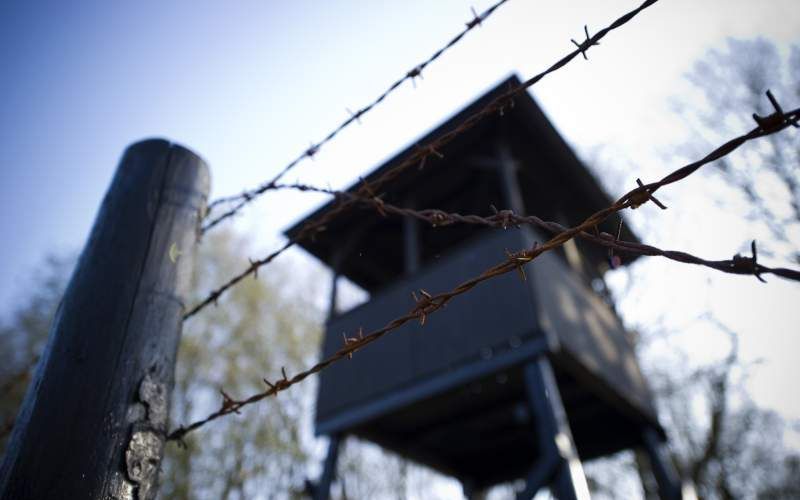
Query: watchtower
[{"x": 515, "y": 379}]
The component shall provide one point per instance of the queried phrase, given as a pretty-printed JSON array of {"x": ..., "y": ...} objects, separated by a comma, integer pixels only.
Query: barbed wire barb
[
  {"x": 584, "y": 46},
  {"x": 776, "y": 119}
]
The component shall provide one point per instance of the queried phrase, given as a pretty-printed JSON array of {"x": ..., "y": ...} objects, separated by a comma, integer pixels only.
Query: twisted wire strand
[{"x": 505, "y": 219}]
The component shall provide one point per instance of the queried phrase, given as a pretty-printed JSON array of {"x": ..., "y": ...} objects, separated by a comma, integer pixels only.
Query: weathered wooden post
[{"x": 93, "y": 421}]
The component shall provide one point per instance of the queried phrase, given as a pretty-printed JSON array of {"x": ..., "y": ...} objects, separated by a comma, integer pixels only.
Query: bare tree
[
  {"x": 725, "y": 84},
  {"x": 24, "y": 333},
  {"x": 720, "y": 439}
]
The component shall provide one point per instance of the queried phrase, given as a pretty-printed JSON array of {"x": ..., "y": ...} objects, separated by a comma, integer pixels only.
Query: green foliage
[
  {"x": 23, "y": 335},
  {"x": 259, "y": 327}
]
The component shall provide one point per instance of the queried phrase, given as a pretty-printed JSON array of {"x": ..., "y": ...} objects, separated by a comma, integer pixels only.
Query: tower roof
[{"x": 554, "y": 183}]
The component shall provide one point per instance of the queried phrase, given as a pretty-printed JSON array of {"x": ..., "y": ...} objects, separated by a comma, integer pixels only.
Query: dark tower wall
[{"x": 494, "y": 318}]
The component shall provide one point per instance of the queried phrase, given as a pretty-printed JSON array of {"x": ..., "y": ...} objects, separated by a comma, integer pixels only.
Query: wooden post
[{"x": 93, "y": 421}]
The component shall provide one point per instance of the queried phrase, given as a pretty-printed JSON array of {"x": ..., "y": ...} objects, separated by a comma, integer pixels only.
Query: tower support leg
[
  {"x": 471, "y": 492},
  {"x": 558, "y": 464},
  {"x": 321, "y": 490},
  {"x": 669, "y": 486}
]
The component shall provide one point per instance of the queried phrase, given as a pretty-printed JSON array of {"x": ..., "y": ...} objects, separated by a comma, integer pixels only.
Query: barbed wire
[
  {"x": 416, "y": 72},
  {"x": 417, "y": 158},
  {"x": 427, "y": 303},
  {"x": 768, "y": 125},
  {"x": 505, "y": 219}
]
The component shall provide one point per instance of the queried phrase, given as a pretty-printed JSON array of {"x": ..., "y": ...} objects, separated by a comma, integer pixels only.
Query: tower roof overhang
[{"x": 554, "y": 183}]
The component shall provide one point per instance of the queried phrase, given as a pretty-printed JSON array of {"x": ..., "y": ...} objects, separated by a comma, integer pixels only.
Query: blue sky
[{"x": 248, "y": 85}]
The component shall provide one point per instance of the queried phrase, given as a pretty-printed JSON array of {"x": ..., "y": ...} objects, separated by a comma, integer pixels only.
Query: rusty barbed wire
[
  {"x": 504, "y": 219},
  {"x": 427, "y": 303},
  {"x": 418, "y": 158},
  {"x": 767, "y": 125},
  {"x": 416, "y": 72}
]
